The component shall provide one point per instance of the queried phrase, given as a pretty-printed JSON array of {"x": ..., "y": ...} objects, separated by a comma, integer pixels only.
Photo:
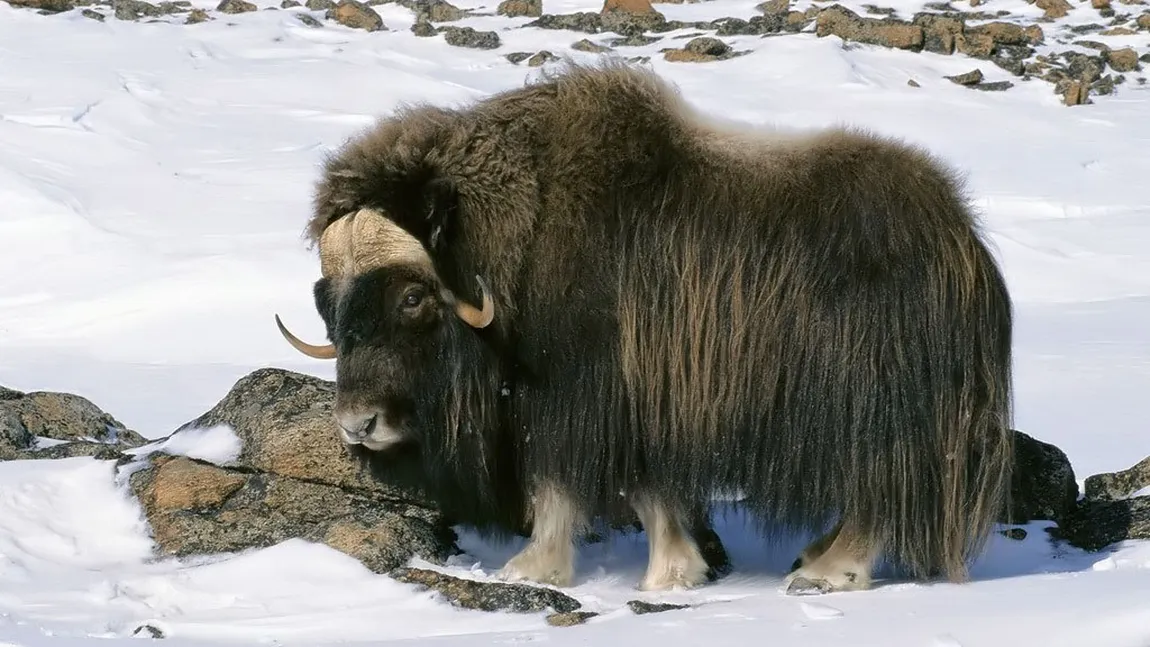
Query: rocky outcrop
[
  {"x": 1045, "y": 486},
  {"x": 47, "y": 424},
  {"x": 1113, "y": 486},
  {"x": 356, "y": 15},
  {"x": 517, "y": 8}
]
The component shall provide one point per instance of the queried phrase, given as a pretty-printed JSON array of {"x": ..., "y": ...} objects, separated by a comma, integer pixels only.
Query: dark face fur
[{"x": 386, "y": 325}]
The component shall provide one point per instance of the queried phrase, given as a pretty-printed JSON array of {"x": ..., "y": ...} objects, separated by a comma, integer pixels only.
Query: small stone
[
  {"x": 912, "y": 83},
  {"x": 94, "y": 15},
  {"x": 1054, "y": 9},
  {"x": 570, "y": 618},
  {"x": 309, "y": 20},
  {"x": 633, "y": 7},
  {"x": 517, "y": 8},
  {"x": 517, "y": 57},
  {"x": 699, "y": 50},
  {"x": 356, "y": 15},
  {"x": 1017, "y": 534},
  {"x": 148, "y": 631},
  {"x": 235, "y": 6},
  {"x": 1143, "y": 21},
  {"x": 197, "y": 16},
  {"x": 541, "y": 58},
  {"x": 1100, "y": 4},
  {"x": 1118, "y": 31},
  {"x": 469, "y": 37},
  {"x": 1076, "y": 93},
  {"x": 967, "y": 78},
  {"x": 135, "y": 9},
  {"x": 423, "y": 29},
  {"x": 288, "y": 4},
  {"x": 489, "y": 596},
  {"x": 1123, "y": 60},
  {"x": 775, "y": 6},
  {"x": 437, "y": 11},
  {"x": 587, "y": 46},
  {"x": 639, "y": 607},
  {"x": 993, "y": 86}
]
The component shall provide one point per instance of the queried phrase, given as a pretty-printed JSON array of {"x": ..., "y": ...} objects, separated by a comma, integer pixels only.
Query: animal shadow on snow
[{"x": 760, "y": 560}]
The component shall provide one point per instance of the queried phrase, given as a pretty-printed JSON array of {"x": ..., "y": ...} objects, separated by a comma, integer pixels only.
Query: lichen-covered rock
[
  {"x": 839, "y": 21},
  {"x": 489, "y": 596},
  {"x": 700, "y": 50},
  {"x": 1123, "y": 60},
  {"x": 135, "y": 9},
  {"x": 46, "y": 6},
  {"x": 1098, "y": 524},
  {"x": 356, "y": 15},
  {"x": 1044, "y": 484},
  {"x": 235, "y": 6},
  {"x": 517, "y": 8},
  {"x": 470, "y": 37},
  {"x": 196, "y": 508},
  {"x": 1112, "y": 486},
  {"x": 79, "y": 426}
]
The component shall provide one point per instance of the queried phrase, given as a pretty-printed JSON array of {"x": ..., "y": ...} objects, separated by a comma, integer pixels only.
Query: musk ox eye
[{"x": 413, "y": 299}]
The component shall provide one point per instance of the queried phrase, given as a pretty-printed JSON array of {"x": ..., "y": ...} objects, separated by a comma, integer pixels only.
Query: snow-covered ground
[{"x": 154, "y": 182}]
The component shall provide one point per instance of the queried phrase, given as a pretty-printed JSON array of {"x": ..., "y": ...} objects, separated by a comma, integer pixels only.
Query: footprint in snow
[{"x": 817, "y": 611}]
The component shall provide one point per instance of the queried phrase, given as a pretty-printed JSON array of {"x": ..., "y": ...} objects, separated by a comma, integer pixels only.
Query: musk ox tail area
[{"x": 834, "y": 342}]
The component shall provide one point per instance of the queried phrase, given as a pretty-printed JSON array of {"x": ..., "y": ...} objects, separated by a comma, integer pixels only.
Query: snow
[{"x": 155, "y": 179}]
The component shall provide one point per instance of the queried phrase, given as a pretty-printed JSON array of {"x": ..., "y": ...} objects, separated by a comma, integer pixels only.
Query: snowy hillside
[{"x": 155, "y": 177}]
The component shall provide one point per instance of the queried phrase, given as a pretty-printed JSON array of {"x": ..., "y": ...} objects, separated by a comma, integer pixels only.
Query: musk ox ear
[{"x": 440, "y": 203}]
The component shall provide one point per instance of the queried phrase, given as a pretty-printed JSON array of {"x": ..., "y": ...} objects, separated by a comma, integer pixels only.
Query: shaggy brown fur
[{"x": 682, "y": 308}]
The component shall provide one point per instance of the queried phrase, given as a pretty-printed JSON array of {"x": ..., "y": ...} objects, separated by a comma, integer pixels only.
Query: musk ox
[{"x": 581, "y": 292}]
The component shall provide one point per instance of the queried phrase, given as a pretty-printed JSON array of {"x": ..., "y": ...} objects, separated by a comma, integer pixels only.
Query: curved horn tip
[
  {"x": 311, "y": 350},
  {"x": 474, "y": 317}
]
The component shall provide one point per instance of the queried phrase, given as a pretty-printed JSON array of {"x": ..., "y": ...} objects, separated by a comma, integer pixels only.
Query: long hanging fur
[{"x": 810, "y": 319}]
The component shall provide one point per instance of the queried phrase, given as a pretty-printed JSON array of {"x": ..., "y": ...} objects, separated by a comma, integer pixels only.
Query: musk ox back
[{"x": 667, "y": 308}]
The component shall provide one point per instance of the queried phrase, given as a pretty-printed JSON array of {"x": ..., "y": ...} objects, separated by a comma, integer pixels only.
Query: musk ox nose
[{"x": 357, "y": 424}]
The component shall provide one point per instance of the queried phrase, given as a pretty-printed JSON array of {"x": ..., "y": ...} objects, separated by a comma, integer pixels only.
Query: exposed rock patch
[
  {"x": 1045, "y": 486},
  {"x": 356, "y": 15},
  {"x": 235, "y": 6},
  {"x": 70, "y": 425},
  {"x": 700, "y": 50},
  {"x": 887, "y": 32},
  {"x": 1098, "y": 524},
  {"x": 517, "y": 8},
  {"x": 489, "y": 596},
  {"x": 1112, "y": 486},
  {"x": 469, "y": 37}
]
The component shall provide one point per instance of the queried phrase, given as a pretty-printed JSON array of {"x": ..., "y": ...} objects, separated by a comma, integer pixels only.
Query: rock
[
  {"x": 134, "y": 9},
  {"x": 541, "y": 58},
  {"x": 967, "y": 78},
  {"x": 699, "y": 50},
  {"x": 516, "y": 58},
  {"x": 235, "y": 6},
  {"x": 197, "y": 508},
  {"x": 309, "y": 20},
  {"x": 289, "y": 4},
  {"x": 94, "y": 15},
  {"x": 775, "y": 6},
  {"x": 1113, "y": 486},
  {"x": 489, "y": 596},
  {"x": 993, "y": 86},
  {"x": 1100, "y": 4},
  {"x": 319, "y": 5},
  {"x": 587, "y": 46},
  {"x": 570, "y": 618},
  {"x": 469, "y": 37},
  {"x": 1118, "y": 31},
  {"x": 1098, "y": 524},
  {"x": 197, "y": 16},
  {"x": 434, "y": 10},
  {"x": 1075, "y": 93},
  {"x": 1123, "y": 60},
  {"x": 639, "y": 607},
  {"x": 633, "y": 7},
  {"x": 45, "y": 6},
  {"x": 423, "y": 29},
  {"x": 517, "y": 8},
  {"x": 60, "y": 416},
  {"x": 1143, "y": 21},
  {"x": 939, "y": 32},
  {"x": 1053, "y": 9},
  {"x": 887, "y": 32},
  {"x": 756, "y": 26},
  {"x": 1044, "y": 486},
  {"x": 284, "y": 423},
  {"x": 912, "y": 83},
  {"x": 1017, "y": 534},
  {"x": 356, "y": 15},
  {"x": 585, "y": 21},
  {"x": 636, "y": 39}
]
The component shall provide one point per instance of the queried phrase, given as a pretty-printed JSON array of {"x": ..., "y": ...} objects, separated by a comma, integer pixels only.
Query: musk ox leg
[
  {"x": 816, "y": 548},
  {"x": 549, "y": 557},
  {"x": 674, "y": 559},
  {"x": 842, "y": 560}
]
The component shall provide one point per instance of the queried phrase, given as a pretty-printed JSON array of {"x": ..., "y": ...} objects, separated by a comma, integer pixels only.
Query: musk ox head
[{"x": 388, "y": 315}]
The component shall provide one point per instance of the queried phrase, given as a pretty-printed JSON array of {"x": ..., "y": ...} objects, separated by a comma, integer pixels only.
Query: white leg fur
[
  {"x": 549, "y": 558},
  {"x": 674, "y": 560},
  {"x": 839, "y": 561}
]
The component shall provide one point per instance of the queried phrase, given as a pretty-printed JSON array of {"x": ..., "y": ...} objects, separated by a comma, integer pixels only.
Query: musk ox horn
[
  {"x": 473, "y": 316},
  {"x": 311, "y": 350}
]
